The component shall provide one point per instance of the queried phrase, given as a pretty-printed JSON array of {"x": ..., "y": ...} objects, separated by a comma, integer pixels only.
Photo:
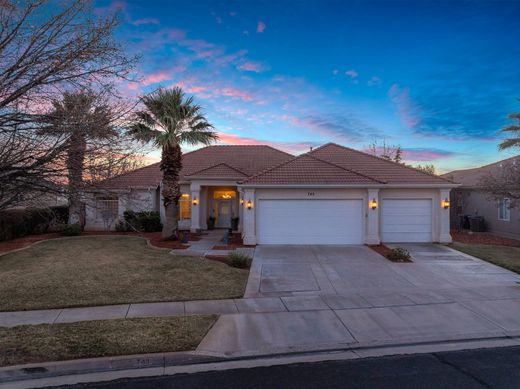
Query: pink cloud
[
  {"x": 236, "y": 93},
  {"x": 291, "y": 147},
  {"x": 251, "y": 66},
  {"x": 154, "y": 78},
  {"x": 260, "y": 27},
  {"x": 140, "y": 22},
  {"x": 406, "y": 109}
]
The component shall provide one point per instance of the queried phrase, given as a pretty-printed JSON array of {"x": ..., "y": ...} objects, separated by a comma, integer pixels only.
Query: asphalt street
[{"x": 486, "y": 368}]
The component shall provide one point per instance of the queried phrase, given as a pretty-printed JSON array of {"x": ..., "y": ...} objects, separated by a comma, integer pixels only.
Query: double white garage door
[{"x": 339, "y": 221}]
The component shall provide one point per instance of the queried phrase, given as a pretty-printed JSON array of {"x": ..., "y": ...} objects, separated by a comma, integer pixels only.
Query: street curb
[{"x": 148, "y": 365}]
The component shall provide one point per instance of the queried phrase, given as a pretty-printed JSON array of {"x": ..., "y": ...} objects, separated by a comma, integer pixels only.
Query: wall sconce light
[
  {"x": 195, "y": 201},
  {"x": 373, "y": 203},
  {"x": 249, "y": 204},
  {"x": 241, "y": 201},
  {"x": 446, "y": 203}
]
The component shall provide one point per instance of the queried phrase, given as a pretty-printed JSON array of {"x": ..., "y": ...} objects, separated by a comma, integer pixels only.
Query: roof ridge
[
  {"x": 387, "y": 160},
  {"x": 344, "y": 168},
  {"x": 483, "y": 166},
  {"x": 214, "y": 166},
  {"x": 268, "y": 170},
  {"x": 127, "y": 173}
]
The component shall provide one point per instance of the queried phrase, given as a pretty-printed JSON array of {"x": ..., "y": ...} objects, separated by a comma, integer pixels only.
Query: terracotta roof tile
[
  {"x": 306, "y": 169},
  {"x": 220, "y": 170},
  {"x": 248, "y": 160},
  {"x": 375, "y": 167}
]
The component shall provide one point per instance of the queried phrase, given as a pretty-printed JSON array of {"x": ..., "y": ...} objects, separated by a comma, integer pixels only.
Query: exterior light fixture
[
  {"x": 446, "y": 203},
  {"x": 249, "y": 204},
  {"x": 241, "y": 201},
  {"x": 195, "y": 201},
  {"x": 373, "y": 203}
]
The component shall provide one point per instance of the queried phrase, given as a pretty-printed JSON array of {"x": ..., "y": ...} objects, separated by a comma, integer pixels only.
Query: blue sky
[{"x": 437, "y": 78}]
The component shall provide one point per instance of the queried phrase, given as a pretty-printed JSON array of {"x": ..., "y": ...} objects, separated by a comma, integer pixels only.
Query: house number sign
[{"x": 310, "y": 193}]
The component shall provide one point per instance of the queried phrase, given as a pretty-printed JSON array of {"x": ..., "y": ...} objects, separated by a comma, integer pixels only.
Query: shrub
[
  {"x": 140, "y": 221},
  {"x": 398, "y": 254},
  {"x": 238, "y": 259},
  {"x": 16, "y": 223},
  {"x": 71, "y": 230}
]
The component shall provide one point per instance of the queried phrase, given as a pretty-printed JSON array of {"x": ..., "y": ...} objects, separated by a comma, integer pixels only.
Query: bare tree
[
  {"x": 47, "y": 47},
  {"x": 504, "y": 183},
  {"x": 428, "y": 168},
  {"x": 383, "y": 150}
]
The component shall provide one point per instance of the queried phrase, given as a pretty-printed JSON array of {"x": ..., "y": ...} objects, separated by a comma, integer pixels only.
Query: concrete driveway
[{"x": 324, "y": 297}]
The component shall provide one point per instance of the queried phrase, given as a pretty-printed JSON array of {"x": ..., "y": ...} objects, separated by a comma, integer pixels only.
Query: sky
[{"x": 437, "y": 78}]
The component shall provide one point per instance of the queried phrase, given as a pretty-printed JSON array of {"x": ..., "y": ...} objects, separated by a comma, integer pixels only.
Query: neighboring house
[
  {"x": 330, "y": 195},
  {"x": 469, "y": 199}
]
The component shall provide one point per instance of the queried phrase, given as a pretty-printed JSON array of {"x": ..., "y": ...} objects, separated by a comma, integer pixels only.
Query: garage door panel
[
  {"x": 309, "y": 222},
  {"x": 407, "y": 220}
]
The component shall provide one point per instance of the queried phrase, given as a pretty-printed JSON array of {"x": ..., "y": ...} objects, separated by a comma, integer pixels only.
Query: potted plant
[
  {"x": 211, "y": 223},
  {"x": 234, "y": 223}
]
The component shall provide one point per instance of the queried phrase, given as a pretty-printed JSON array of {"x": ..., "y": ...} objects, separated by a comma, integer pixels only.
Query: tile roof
[
  {"x": 328, "y": 165},
  {"x": 220, "y": 170},
  {"x": 306, "y": 169},
  {"x": 469, "y": 178},
  {"x": 377, "y": 168},
  {"x": 247, "y": 160}
]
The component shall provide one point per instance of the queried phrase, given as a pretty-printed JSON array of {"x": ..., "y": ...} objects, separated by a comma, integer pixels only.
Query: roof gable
[
  {"x": 374, "y": 167},
  {"x": 308, "y": 170},
  {"x": 218, "y": 171}
]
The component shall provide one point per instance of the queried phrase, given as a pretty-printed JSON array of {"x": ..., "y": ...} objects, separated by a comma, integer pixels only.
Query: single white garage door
[
  {"x": 407, "y": 220},
  {"x": 309, "y": 222}
]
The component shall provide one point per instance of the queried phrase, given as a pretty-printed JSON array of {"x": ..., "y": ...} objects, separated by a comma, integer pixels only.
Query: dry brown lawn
[
  {"x": 89, "y": 339},
  {"x": 101, "y": 270}
]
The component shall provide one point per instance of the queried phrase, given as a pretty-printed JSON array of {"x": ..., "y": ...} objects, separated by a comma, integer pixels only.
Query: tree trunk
[
  {"x": 171, "y": 165},
  {"x": 75, "y": 160}
]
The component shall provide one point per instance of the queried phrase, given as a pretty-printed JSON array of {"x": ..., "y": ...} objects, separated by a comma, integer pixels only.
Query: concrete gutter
[{"x": 148, "y": 365}]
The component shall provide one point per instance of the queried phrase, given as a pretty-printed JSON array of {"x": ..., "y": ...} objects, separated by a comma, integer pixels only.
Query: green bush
[
  {"x": 71, "y": 230},
  {"x": 21, "y": 222},
  {"x": 238, "y": 259},
  {"x": 398, "y": 254},
  {"x": 140, "y": 221}
]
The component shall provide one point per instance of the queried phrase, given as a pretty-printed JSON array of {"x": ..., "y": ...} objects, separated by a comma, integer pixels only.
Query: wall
[
  {"x": 371, "y": 223},
  {"x": 137, "y": 200},
  {"x": 476, "y": 203}
]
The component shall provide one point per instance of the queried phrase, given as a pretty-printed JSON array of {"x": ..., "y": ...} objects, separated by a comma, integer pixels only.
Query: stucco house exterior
[
  {"x": 329, "y": 195},
  {"x": 469, "y": 199}
]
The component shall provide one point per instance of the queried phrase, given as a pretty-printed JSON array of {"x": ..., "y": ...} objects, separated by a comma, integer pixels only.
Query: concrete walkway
[
  {"x": 349, "y": 296},
  {"x": 204, "y": 246}
]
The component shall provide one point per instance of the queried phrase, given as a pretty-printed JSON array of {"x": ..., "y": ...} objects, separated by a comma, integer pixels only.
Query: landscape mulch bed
[
  {"x": 383, "y": 250},
  {"x": 155, "y": 239},
  {"x": 483, "y": 238}
]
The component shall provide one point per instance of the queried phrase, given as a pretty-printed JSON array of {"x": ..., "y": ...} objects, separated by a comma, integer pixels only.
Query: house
[
  {"x": 329, "y": 195},
  {"x": 469, "y": 199}
]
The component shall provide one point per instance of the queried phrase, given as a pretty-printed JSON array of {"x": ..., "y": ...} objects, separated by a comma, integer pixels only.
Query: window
[
  {"x": 107, "y": 207},
  {"x": 184, "y": 207},
  {"x": 504, "y": 213},
  {"x": 224, "y": 194}
]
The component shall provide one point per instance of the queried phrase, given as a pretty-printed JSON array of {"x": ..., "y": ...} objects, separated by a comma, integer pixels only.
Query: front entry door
[{"x": 224, "y": 214}]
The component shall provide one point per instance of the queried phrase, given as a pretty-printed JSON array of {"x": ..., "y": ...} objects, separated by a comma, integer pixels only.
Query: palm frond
[{"x": 508, "y": 143}]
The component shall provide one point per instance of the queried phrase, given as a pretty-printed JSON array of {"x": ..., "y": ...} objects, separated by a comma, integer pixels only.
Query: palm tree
[
  {"x": 513, "y": 129},
  {"x": 79, "y": 117},
  {"x": 169, "y": 120}
]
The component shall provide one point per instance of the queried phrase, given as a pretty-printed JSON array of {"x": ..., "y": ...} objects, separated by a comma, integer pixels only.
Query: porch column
[
  {"x": 195, "y": 208},
  {"x": 240, "y": 211},
  {"x": 248, "y": 226},
  {"x": 444, "y": 217},
  {"x": 372, "y": 218}
]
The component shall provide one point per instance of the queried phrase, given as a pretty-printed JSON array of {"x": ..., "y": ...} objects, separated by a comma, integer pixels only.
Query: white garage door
[
  {"x": 406, "y": 220},
  {"x": 309, "y": 222}
]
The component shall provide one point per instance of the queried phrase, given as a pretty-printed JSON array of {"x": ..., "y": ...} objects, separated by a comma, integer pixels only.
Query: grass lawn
[
  {"x": 89, "y": 339},
  {"x": 105, "y": 270},
  {"x": 505, "y": 256}
]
